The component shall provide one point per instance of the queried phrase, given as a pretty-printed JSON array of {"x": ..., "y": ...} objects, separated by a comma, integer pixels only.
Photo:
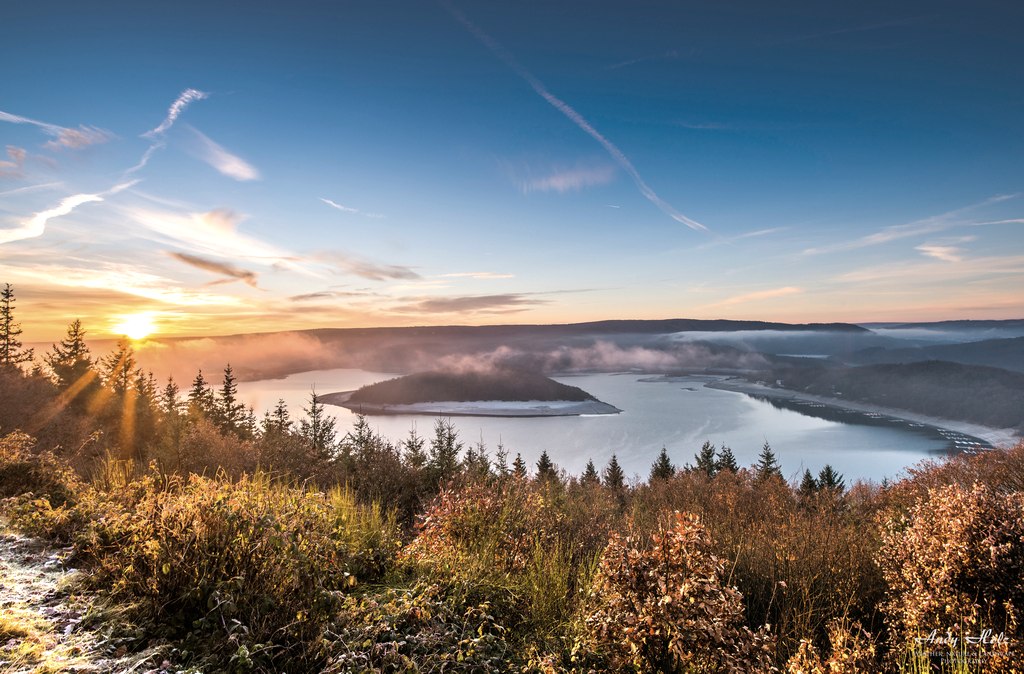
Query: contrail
[
  {"x": 176, "y": 109},
  {"x": 575, "y": 117}
]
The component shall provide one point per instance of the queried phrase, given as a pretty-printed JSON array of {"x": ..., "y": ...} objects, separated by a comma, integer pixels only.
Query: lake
[{"x": 680, "y": 415}]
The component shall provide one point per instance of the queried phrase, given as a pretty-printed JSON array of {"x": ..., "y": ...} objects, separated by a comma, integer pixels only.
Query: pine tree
[
  {"x": 808, "y": 485},
  {"x": 614, "y": 478},
  {"x": 413, "y": 450},
  {"x": 590, "y": 476},
  {"x": 119, "y": 368},
  {"x": 230, "y": 412},
  {"x": 318, "y": 430},
  {"x": 726, "y": 461},
  {"x": 71, "y": 363},
  {"x": 478, "y": 463},
  {"x": 501, "y": 467},
  {"x": 767, "y": 465},
  {"x": 830, "y": 480},
  {"x": 201, "y": 401},
  {"x": 277, "y": 422},
  {"x": 546, "y": 468},
  {"x": 705, "y": 460},
  {"x": 662, "y": 468},
  {"x": 445, "y": 448},
  {"x": 519, "y": 467},
  {"x": 11, "y": 353},
  {"x": 170, "y": 405}
]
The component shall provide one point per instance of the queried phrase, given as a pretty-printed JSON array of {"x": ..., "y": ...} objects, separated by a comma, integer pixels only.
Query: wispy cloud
[
  {"x": 225, "y": 162},
  {"x": 574, "y": 179},
  {"x": 488, "y": 275},
  {"x": 30, "y": 188},
  {"x": 927, "y": 273},
  {"x": 930, "y": 225},
  {"x": 350, "y": 264},
  {"x": 223, "y": 268},
  {"x": 63, "y": 137},
  {"x": 944, "y": 253},
  {"x": 576, "y": 118},
  {"x": 491, "y": 304},
  {"x": 12, "y": 169},
  {"x": 177, "y": 107},
  {"x": 756, "y": 296},
  {"x": 36, "y": 225},
  {"x": 349, "y": 209}
]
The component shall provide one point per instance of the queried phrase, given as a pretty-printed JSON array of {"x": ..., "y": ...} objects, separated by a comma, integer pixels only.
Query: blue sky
[{"x": 237, "y": 167}]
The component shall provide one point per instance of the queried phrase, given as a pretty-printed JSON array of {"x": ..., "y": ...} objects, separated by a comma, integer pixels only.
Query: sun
[{"x": 135, "y": 326}]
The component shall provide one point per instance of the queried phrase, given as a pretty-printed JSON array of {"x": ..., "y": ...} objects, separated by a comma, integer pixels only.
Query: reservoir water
[{"x": 679, "y": 415}]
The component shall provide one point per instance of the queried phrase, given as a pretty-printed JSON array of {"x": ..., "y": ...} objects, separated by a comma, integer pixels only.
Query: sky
[{"x": 234, "y": 167}]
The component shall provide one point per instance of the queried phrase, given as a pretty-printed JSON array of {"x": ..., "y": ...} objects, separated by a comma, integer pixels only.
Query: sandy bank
[
  {"x": 477, "y": 408},
  {"x": 997, "y": 437}
]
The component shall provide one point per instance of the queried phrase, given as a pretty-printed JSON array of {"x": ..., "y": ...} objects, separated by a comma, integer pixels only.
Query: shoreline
[
  {"x": 996, "y": 437},
  {"x": 477, "y": 408}
]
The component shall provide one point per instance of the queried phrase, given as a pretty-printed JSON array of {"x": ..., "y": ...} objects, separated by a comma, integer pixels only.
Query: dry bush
[
  {"x": 660, "y": 604},
  {"x": 852, "y": 652},
  {"x": 1000, "y": 469},
  {"x": 955, "y": 564}
]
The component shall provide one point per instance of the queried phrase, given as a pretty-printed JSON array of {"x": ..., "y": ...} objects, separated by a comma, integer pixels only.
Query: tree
[
  {"x": 169, "y": 403},
  {"x": 413, "y": 450},
  {"x": 830, "y": 480},
  {"x": 478, "y": 463},
  {"x": 11, "y": 353},
  {"x": 71, "y": 363},
  {"x": 318, "y": 430},
  {"x": 201, "y": 401},
  {"x": 614, "y": 478},
  {"x": 445, "y": 448},
  {"x": 662, "y": 468},
  {"x": 501, "y": 467},
  {"x": 726, "y": 461},
  {"x": 590, "y": 476},
  {"x": 546, "y": 468},
  {"x": 519, "y": 467},
  {"x": 808, "y": 485},
  {"x": 119, "y": 368},
  {"x": 767, "y": 465},
  {"x": 230, "y": 412},
  {"x": 705, "y": 460}
]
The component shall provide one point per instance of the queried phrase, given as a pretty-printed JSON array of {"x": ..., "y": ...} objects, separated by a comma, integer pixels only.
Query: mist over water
[{"x": 679, "y": 415}]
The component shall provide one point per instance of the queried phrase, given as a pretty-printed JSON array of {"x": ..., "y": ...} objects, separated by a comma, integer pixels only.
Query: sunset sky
[{"x": 226, "y": 167}]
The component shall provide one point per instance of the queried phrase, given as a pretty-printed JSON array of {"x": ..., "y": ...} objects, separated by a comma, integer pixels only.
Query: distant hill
[
  {"x": 501, "y": 384},
  {"x": 974, "y": 393},
  {"x": 1007, "y": 354}
]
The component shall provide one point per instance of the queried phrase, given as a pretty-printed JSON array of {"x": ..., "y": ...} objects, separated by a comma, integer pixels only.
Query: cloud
[
  {"x": 925, "y": 273},
  {"x": 488, "y": 275},
  {"x": 348, "y": 209},
  {"x": 576, "y": 118},
  {"x": 930, "y": 225},
  {"x": 30, "y": 188},
  {"x": 491, "y": 304},
  {"x": 12, "y": 169},
  {"x": 944, "y": 253},
  {"x": 756, "y": 296},
  {"x": 571, "y": 180},
  {"x": 223, "y": 268},
  {"x": 35, "y": 226},
  {"x": 64, "y": 138},
  {"x": 226, "y": 163},
  {"x": 372, "y": 271},
  {"x": 177, "y": 107}
]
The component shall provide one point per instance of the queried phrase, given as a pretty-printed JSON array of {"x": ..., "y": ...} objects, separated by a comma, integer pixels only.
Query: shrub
[
  {"x": 954, "y": 565},
  {"x": 852, "y": 652},
  {"x": 660, "y": 605},
  {"x": 24, "y": 470}
]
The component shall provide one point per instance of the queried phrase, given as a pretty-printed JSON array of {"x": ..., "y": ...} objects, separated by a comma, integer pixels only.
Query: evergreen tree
[
  {"x": 501, "y": 467},
  {"x": 614, "y": 478},
  {"x": 590, "y": 476},
  {"x": 705, "y": 460},
  {"x": 201, "y": 401},
  {"x": 808, "y": 485},
  {"x": 230, "y": 412},
  {"x": 662, "y": 468},
  {"x": 413, "y": 450},
  {"x": 726, "y": 461},
  {"x": 767, "y": 465},
  {"x": 546, "y": 468},
  {"x": 830, "y": 480},
  {"x": 445, "y": 448},
  {"x": 170, "y": 404},
  {"x": 278, "y": 421},
  {"x": 519, "y": 467},
  {"x": 119, "y": 369},
  {"x": 478, "y": 463},
  {"x": 71, "y": 363},
  {"x": 11, "y": 353},
  {"x": 318, "y": 430}
]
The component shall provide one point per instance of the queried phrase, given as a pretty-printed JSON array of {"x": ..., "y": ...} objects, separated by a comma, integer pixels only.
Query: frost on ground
[{"x": 46, "y": 626}]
